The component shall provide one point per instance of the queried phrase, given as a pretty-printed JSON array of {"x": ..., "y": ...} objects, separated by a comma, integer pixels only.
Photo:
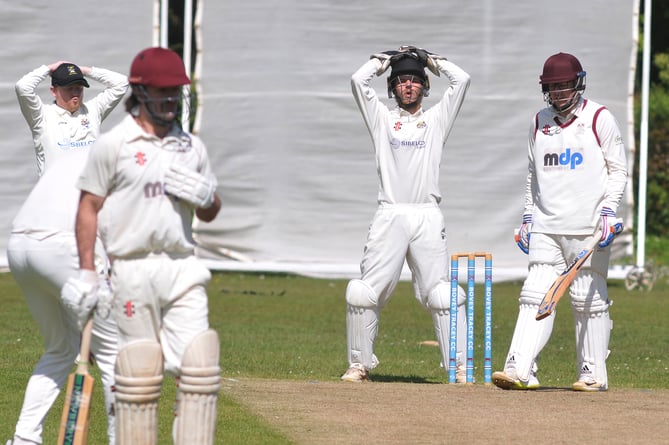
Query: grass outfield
[{"x": 293, "y": 328}]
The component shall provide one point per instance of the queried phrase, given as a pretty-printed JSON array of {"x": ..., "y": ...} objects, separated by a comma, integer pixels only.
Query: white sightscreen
[
  {"x": 36, "y": 32},
  {"x": 294, "y": 159},
  {"x": 292, "y": 155}
]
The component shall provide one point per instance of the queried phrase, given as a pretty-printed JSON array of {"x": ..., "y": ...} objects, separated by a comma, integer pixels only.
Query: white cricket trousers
[
  {"x": 40, "y": 267},
  {"x": 161, "y": 298},
  {"x": 412, "y": 232}
]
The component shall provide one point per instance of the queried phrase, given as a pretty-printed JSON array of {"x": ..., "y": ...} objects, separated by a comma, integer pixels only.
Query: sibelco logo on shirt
[
  {"x": 397, "y": 144},
  {"x": 66, "y": 144}
]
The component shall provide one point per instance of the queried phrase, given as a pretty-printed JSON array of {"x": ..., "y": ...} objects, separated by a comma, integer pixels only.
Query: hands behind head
[
  {"x": 85, "y": 70},
  {"x": 52, "y": 67},
  {"x": 386, "y": 59},
  {"x": 426, "y": 58}
]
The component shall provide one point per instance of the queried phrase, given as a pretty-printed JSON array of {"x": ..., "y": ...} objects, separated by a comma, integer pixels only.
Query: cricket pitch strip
[{"x": 388, "y": 413}]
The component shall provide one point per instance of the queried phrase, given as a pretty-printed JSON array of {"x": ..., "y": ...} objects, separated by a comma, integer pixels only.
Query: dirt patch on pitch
[{"x": 314, "y": 413}]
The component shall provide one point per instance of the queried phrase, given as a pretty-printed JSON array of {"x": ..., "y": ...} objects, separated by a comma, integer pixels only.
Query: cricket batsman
[
  {"x": 577, "y": 173},
  {"x": 152, "y": 177}
]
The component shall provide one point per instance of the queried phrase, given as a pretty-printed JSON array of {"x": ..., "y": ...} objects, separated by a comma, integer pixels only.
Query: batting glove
[
  {"x": 386, "y": 58},
  {"x": 610, "y": 226},
  {"x": 190, "y": 186},
  {"x": 522, "y": 235},
  {"x": 80, "y": 296}
]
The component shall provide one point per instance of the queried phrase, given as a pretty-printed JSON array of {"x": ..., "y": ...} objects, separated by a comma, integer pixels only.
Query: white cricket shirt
[
  {"x": 127, "y": 165},
  {"x": 575, "y": 168},
  {"x": 408, "y": 147},
  {"x": 51, "y": 206},
  {"x": 55, "y": 130}
]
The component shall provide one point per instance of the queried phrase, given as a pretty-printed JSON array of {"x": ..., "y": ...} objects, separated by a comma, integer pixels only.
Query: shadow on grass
[
  {"x": 543, "y": 389},
  {"x": 401, "y": 379},
  {"x": 558, "y": 389},
  {"x": 387, "y": 378}
]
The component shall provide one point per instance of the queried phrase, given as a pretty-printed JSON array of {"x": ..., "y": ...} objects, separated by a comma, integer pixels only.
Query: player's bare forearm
[
  {"x": 208, "y": 214},
  {"x": 86, "y": 228}
]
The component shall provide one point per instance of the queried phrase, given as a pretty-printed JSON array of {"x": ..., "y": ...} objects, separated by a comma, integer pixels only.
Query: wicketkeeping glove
[
  {"x": 432, "y": 63},
  {"x": 418, "y": 53},
  {"x": 522, "y": 235},
  {"x": 426, "y": 58},
  {"x": 80, "y": 295},
  {"x": 386, "y": 58},
  {"x": 190, "y": 186},
  {"x": 610, "y": 226}
]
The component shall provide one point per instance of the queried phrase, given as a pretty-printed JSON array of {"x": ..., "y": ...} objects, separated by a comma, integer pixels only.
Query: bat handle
[{"x": 85, "y": 351}]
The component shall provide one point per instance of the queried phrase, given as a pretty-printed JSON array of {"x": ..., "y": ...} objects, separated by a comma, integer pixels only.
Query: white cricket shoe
[
  {"x": 589, "y": 386},
  {"x": 356, "y": 373},
  {"x": 505, "y": 381}
]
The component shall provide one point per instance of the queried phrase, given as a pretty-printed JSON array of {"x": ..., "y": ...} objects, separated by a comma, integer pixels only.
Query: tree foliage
[{"x": 657, "y": 200}]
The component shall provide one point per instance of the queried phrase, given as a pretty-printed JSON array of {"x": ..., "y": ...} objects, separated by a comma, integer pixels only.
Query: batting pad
[
  {"x": 593, "y": 332},
  {"x": 199, "y": 383},
  {"x": 139, "y": 377}
]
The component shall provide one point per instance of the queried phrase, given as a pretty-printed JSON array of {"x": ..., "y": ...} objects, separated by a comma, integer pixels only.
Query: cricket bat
[
  {"x": 76, "y": 411},
  {"x": 561, "y": 284}
]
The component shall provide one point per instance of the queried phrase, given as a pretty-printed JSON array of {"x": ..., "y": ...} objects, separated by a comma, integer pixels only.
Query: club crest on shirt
[
  {"x": 129, "y": 309},
  {"x": 85, "y": 122},
  {"x": 421, "y": 124},
  {"x": 398, "y": 126},
  {"x": 140, "y": 158},
  {"x": 549, "y": 131}
]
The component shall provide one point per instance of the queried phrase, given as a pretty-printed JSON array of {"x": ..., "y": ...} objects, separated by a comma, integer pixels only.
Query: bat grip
[{"x": 85, "y": 351}]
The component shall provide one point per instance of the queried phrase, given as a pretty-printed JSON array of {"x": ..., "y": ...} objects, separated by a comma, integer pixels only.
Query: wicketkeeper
[{"x": 408, "y": 143}]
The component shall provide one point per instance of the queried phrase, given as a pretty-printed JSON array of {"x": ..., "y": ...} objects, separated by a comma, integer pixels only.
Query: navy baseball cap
[{"x": 67, "y": 74}]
